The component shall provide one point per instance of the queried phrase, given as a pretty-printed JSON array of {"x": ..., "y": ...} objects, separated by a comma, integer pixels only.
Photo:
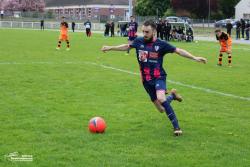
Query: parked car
[
  {"x": 174, "y": 19},
  {"x": 186, "y": 19},
  {"x": 223, "y": 23}
]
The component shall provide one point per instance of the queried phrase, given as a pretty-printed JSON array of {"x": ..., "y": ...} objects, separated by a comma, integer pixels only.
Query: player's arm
[
  {"x": 123, "y": 47},
  {"x": 188, "y": 55}
]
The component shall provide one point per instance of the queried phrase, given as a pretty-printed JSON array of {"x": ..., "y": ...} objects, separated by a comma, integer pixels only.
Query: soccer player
[
  {"x": 63, "y": 34},
  {"x": 150, "y": 52},
  {"x": 226, "y": 46},
  {"x": 87, "y": 25},
  {"x": 132, "y": 31}
]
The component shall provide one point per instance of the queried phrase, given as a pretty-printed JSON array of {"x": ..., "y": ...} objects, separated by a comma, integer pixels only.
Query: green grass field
[{"x": 47, "y": 98}]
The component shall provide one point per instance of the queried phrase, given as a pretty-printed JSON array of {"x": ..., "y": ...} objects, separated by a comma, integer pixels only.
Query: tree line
[{"x": 215, "y": 9}]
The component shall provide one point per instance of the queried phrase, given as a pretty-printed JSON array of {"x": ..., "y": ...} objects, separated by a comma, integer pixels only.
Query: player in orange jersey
[
  {"x": 226, "y": 46},
  {"x": 63, "y": 34}
]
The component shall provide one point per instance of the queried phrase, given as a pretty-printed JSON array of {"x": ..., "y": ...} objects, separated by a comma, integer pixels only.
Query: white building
[{"x": 242, "y": 10}]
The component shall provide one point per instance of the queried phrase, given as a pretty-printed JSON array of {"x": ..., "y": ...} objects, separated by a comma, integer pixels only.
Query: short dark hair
[
  {"x": 217, "y": 30},
  {"x": 150, "y": 23}
]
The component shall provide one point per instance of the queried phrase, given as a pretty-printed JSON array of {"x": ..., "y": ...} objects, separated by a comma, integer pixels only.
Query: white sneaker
[
  {"x": 57, "y": 48},
  {"x": 177, "y": 132},
  {"x": 67, "y": 49}
]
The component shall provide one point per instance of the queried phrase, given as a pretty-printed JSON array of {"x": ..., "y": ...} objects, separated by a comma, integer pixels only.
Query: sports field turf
[{"x": 47, "y": 98}]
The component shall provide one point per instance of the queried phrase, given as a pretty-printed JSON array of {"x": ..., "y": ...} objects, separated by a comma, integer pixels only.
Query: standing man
[
  {"x": 247, "y": 29},
  {"x": 226, "y": 46},
  {"x": 168, "y": 31},
  {"x": 42, "y": 24},
  {"x": 73, "y": 24},
  {"x": 132, "y": 31},
  {"x": 162, "y": 30},
  {"x": 158, "y": 27},
  {"x": 112, "y": 29},
  {"x": 107, "y": 28},
  {"x": 229, "y": 27},
  {"x": 243, "y": 26},
  {"x": 2, "y": 13},
  {"x": 87, "y": 25},
  {"x": 150, "y": 52},
  {"x": 238, "y": 26},
  {"x": 63, "y": 34}
]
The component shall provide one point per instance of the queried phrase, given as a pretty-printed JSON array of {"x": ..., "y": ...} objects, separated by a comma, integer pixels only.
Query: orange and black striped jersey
[
  {"x": 224, "y": 39},
  {"x": 64, "y": 28}
]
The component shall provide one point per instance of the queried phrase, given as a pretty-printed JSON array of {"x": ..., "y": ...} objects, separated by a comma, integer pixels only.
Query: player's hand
[
  {"x": 201, "y": 60},
  {"x": 105, "y": 48}
]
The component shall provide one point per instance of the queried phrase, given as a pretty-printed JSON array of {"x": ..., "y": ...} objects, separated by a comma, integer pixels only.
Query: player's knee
[{"x": 161, "y": 99}]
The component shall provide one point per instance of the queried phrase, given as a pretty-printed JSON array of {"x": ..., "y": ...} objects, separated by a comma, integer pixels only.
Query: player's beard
[{"x": 148, "y": 40}]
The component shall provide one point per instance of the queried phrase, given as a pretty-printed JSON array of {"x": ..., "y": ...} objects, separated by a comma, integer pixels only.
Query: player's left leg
[
  {"x": 174, "y": 94},
  {"x": 68, "y": 46}
]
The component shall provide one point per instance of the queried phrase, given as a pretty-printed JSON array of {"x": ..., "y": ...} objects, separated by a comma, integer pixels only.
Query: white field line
[
  {"x": 176, "y": 83},
  {"x": 133, "y": 73}
]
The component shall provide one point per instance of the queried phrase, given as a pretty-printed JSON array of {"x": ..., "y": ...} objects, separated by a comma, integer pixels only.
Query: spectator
[
  {"x": 167, "y": 31},
  {"x": 112, "y": 29},
  {"x": 158, "y": 27},
  {"x": 238, "y": 26},
  {"x": 73, "y": 24},
  {"x": 229, "y": 27},
  {"x": 2, "y": 13},
  {"x": 42, "y": 24},
  {"x": 190, "y": 35},
  {"x": 247, "y": 29},
  {"x": 243, "y": 26},
  {"x": 107, "y": 28}
]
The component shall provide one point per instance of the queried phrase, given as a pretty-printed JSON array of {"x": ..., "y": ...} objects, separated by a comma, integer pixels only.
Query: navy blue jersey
[
  {"x": 132, "y": 29},
  {"x": 150, "y": 57}
]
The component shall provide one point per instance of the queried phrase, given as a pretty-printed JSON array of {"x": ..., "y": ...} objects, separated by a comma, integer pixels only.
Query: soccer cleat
[
  {"x": 177, "y": 132},
  {"x": 219, "y": 64},
  {"x": 176, "y": 95},
  {"x": 230, "y": 65},
  {"x": 57, "y": 48},
  {"x": 68, "y": 49}
]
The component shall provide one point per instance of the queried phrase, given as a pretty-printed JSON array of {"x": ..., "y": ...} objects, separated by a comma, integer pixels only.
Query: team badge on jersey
[{"x": 157, "y": 48}]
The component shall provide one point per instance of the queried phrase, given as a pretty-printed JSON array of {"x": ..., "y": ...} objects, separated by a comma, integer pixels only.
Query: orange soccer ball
[{"x": 97, "y": 125}]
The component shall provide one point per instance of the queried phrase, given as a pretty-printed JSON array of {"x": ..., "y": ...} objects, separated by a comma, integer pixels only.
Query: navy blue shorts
[{"x": 153, "y": 86}]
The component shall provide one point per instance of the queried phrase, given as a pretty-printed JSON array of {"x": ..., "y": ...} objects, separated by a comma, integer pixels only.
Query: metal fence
[
  {"x": 47, "y": 25},
  {"x": 200, "y": 27}
]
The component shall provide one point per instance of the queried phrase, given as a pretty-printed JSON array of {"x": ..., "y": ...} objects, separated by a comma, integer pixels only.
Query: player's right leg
[
  {"x": 169, "y": 111},
  {"x": 229, "y": 52},
  {"x": 160, "y": 89},
  {"x": 220, "y": 58}
]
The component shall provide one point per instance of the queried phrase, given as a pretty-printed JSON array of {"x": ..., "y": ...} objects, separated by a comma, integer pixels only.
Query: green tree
[
  {"x": 151, "y": 7},
  {"x": 227, "y": 7}
]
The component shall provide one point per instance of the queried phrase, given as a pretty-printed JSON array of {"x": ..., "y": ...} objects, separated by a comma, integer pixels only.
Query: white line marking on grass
[
  {"x": 133, "y": 73},
  {"x": 176, "y": 83}
]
